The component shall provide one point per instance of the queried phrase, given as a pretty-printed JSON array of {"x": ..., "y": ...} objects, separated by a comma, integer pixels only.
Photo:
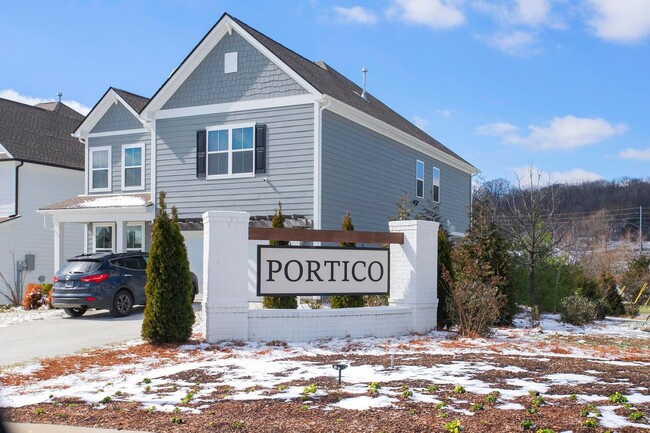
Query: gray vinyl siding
[
  {"x": 256, "y": 78},
  {"x": 116, "y": 142},
  {"x": 117, "y": 118},
  {"x": 367, "y": 173},
  {"x": 290, "y": 165}
]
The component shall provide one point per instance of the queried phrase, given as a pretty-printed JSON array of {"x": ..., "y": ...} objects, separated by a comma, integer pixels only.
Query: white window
[
  {"x": 100, "y": 169},
  {"x": 419, "y": 179},
  {"x": 135, "y": 237},
  {"x": 103, "y": 237},
  {"x": 230, "y": 63},
  {"x": 132, "y": 167},
  {"x": 435, "y": 191},
  {"x": 231, "y": 151}
]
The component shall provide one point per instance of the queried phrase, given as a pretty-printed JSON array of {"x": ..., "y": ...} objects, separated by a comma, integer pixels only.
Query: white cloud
[
  {"x": 437, "y": 14},
  {"x": 639, "y": 155},
  {"x": 517, "y": 12},
  {"x": 620, "y": 20},
  {"x": 355, "y": 14},
  {"x": 532, "y": 12},
  {"x": 445, "y": 112},
  {"x": 421, "y": 122},
  {"x": 562, "y": 133},
  {"x": 499, "y": 129},
  {"x": 32, "y": 100},
  {"x": 576, "y": 175},
  {"x": 516, "y": 43}
]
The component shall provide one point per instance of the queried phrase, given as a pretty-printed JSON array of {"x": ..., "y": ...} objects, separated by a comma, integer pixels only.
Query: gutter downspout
[{"x": 16, "y": 194}]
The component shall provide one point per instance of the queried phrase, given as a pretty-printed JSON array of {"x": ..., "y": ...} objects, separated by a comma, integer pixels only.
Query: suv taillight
[
  {"x": 94, "y": 278},
  {"x": 55, "y": 279}
]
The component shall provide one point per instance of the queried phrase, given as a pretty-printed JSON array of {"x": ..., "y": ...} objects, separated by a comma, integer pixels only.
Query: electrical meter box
[{"x": 30, "y": 262}]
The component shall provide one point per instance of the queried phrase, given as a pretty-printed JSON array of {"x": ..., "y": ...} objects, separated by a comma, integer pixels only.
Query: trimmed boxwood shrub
[
  {"x": 578, "y": 310},
  {"x": 168, "y": 314}
]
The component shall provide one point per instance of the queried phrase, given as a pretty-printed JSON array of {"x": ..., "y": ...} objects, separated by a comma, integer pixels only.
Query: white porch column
[
  {"x": 225, "y": 276},
  {"x": 59, "y": 242},
  {"x": 414, "y": 272},
  {"x": 120, "y": 236}
]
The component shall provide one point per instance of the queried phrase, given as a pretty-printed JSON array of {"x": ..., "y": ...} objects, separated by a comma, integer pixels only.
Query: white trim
[
  {"x": 317, "y": 165},
  {"x": 114, "y": 133},
  {"x": 396, "y": 134},
  {"x": 229, "y": 151},
  {"x": 5, "y": 151},
  {"x": 256, "y": 104},
  {"x": 109, "y": 186},
  {"x": 103, "y": 214},
  {"x": 87, "y": 167},
  {"x": 417, "y": 178},
  {"x": 202, "y": 50},
  {"x": 110, "y": 98},
  {"x": 154, "y": 171},
  {"x": 433, "y": 183},
  {"x": 135, "y": 224},
  {"x": 142, "y": 168},
  {"x": 99, "y": 225}
]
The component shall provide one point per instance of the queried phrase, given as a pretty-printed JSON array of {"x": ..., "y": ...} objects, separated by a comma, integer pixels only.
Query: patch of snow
[
  {"x": 19, "y": 315},
  {"x": 510, "y": 406},
  {"x": 571, "y": 379},
  {"x": 113, "y": 201}
]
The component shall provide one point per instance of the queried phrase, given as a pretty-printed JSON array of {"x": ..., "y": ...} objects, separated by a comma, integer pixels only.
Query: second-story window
[
  {"x": 419, "y": 179},
  {"x": 100, "y": 169},
  {"x": 132, "y": 167},
  {"x": 231, "y": 151},
  {"x": 435, "y": 190}
]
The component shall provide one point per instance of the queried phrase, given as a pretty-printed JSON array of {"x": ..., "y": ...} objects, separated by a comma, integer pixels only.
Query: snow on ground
[
  {"x": 16, "y": 315},
  {"x": 255, "y": 371}
]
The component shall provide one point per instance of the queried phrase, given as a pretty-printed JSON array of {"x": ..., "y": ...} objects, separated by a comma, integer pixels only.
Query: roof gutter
[{"x": 16, "y": 193}]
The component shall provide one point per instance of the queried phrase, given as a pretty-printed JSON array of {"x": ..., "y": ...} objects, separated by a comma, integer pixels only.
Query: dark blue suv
[{"x": 104, "y": 281}]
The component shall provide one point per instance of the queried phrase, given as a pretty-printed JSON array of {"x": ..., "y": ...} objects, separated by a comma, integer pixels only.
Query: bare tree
[
  {"x": 11, "y": 290},
  {"x": 531, "y": 223}
]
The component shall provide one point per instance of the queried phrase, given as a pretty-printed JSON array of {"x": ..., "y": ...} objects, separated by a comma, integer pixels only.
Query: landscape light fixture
[{"x": 340, "y": 368}]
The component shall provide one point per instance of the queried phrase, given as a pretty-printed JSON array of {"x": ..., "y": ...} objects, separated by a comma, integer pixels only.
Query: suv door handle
[{"x": 128, "y": 275}]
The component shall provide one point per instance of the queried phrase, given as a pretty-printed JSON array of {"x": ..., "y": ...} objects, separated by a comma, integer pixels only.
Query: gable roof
[
  {"x": 41, "y": 135},
  {"x": 133, "y": 102},
  {"x": 327, "y": 81}
]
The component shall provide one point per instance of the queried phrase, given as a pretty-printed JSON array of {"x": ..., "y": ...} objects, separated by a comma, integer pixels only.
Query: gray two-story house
[{"x": 242, "y": 124}]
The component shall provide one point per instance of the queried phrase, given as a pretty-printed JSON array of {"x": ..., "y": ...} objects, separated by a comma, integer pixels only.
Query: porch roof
[{"x": 101, "y": 202}]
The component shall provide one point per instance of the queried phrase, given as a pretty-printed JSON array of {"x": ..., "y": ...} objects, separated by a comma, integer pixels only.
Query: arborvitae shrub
[
  {"x": 168, "y": 314},
  {"x": 347, "y": 301},
  {"x": 578, "y": 310},
  {"x": 279, "y": 302}
]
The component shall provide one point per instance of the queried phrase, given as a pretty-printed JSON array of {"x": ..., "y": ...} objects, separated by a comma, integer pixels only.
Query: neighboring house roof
[
  {"x": 42, "y": 134},
  {"x": 102, "y": 201},
  {"x": 136, "y": 102}
]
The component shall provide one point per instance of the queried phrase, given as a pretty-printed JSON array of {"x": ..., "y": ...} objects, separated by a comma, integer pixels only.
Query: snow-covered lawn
[
  {"x": 557, "y": 362},
  {"x": 16, "y": 315}
]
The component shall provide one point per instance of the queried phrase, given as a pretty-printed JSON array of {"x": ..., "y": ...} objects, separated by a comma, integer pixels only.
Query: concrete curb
[{"x": 12, "y": 427}]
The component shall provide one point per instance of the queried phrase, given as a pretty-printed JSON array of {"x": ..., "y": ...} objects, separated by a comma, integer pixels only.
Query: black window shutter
[
  {"x": 260, "y": 149},
  {"x": 200, "y": 153}
]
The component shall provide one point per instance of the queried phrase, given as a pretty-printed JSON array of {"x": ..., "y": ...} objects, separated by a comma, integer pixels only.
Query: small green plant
[
  {"x": 454, "y": 426},
  {"x": 147, "y": 389},
  {"x": 584, "y": 413},
  {"x": 492, "y": 397},
  {"x": 573, "y": 397},
  {"x": 537, "y": 401},
  {"x": 239, "y": 424},
  {"x": 106, "y": 399},
  {"x": 60, "y": 415},
  {"x": 440, "y": 405},
  {"x": 304, "y": 407},
  {"x": 618, "y": 398},
  {"x": 118, "y": 393},
  {"x": 412, "y": 411},
  {"x": 147, "y": 380},
  {"x": 310, "y": 389},
  {"x": 282, "y": 388},
  {"x": 432, "y": 388},
  {"x": 591, "y": 422},
  {"x": 593, "y": 409},
  {"x": 443, "y": 415},
  {"x": 476, "y": 407},
  {"x": 527, "y": 424},
  {"x": 188, "y": 397},
  {"x": 532, "y": 410},
  {"x": 51, "y": 395},
  {"x": 176, "y": 420},
  {"x": 637, "y": 416},
  {"x": 374, "y": 388},
  {"x": 151, "y": 409},
  {"x": 39, "y": 411},
  {"x": 459, "y": 389},
  {"x": 406, "y": 393},
  {"x": 545, "y": 430},
  {"x": 176, "y": 410}
]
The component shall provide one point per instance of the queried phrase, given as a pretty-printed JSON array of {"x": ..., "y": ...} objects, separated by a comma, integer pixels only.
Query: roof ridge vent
[{"x": 364, "y": 71}]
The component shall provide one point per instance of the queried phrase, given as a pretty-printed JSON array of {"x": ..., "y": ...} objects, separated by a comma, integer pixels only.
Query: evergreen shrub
[
  {"x": 578, "y": 310},
  {"x": 347, "y": 301},
  {"x": 279, "y": 302}
]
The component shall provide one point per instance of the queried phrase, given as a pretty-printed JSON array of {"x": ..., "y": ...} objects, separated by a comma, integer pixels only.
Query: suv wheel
[
  {"x": 75, "y": 312},
  {"x": 122, "y": 304}
]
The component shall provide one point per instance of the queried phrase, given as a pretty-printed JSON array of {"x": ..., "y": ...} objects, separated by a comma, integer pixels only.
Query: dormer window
[{"x": 230, "y": 62}]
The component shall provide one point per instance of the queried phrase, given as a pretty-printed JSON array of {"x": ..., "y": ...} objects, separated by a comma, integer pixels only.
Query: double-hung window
[
  {"x": 419, "y": 179},
  {"x": 132, "y": 167},
  {"x": 135, "y": 237},
  {"x": 103, "y": 237},
  {"x": 231, "y": 151},
  {"x": 100, "y": 169},
  {"x": 435, "y": 190}
]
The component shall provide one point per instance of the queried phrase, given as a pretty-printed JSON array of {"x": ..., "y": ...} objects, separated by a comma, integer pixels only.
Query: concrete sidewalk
[{"x": 12, "y": 427}]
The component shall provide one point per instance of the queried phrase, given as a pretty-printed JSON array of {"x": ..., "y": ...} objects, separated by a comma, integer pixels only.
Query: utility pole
[{"x": 640, "y": 229}]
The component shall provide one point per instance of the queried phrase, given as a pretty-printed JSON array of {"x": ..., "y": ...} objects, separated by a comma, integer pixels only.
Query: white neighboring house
[{"x": 39, "y": 162}]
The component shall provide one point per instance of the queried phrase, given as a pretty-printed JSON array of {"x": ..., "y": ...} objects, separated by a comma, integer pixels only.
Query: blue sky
[{"x": 562, "y": 85}]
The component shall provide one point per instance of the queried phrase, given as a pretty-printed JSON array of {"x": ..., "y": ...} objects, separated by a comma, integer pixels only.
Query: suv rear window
[{"x": 79, "y": 267}]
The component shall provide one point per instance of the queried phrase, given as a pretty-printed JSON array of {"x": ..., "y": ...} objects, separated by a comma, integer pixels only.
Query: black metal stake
[{"x": 340, "y": 368}]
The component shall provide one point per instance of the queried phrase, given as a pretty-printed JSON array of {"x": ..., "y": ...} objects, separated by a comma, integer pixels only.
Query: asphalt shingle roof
[
  {"x": 41, "y": 134},
  {"x": 136, "y": 102}
]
